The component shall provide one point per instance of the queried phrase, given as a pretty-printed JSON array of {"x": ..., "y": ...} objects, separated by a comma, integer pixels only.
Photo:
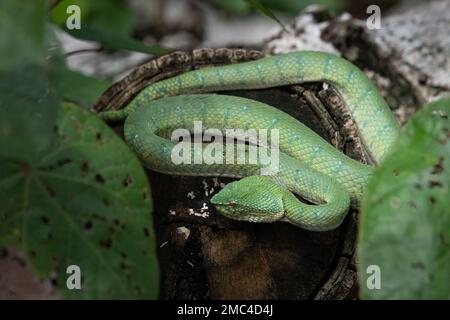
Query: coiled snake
[{"x": 308, "y": 165}]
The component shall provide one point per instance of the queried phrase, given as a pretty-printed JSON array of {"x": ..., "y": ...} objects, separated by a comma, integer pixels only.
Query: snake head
[{"x": 253, "y": 199}]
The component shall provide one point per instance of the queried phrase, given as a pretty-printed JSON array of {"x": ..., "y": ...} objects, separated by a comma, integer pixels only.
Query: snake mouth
[{"x": 217, "y": 201}]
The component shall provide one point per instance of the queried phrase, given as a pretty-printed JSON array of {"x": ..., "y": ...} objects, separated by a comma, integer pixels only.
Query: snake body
[{"x": 308, "y": 165}]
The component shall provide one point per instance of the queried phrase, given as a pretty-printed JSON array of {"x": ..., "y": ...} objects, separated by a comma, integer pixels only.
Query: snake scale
[{"x": 308, "y": 165}]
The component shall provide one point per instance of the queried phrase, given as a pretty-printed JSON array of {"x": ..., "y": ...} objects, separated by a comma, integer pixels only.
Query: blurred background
[{"x": 165, "y": 25}]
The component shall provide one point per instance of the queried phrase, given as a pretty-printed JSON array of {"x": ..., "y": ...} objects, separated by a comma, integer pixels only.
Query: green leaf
[
  {"x": 296, "y": 6},
  {"x": 30, "y": 71},
  {"x": 23, "y": 33},
  {"x": 109, "y": 22},
  {"x": 112, "y": 15},
  {"x": 292, "y": 7},
  {"x": 265, "y": 11},
  {"x": 28, "y": 104},
  {"x": 115, "y": 41},
  {"x": 233, "y": 6},
  {"x": 405, "y": 225},
  {"x": 83, "y": 90},
  {"x": 85, "y": 202}
]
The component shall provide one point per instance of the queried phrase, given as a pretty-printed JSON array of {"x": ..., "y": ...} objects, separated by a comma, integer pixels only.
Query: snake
[{"x": 315, "y": 184}]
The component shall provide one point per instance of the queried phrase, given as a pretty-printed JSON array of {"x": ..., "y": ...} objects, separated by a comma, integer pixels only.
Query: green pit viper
[{"x": 308, "y": 165}]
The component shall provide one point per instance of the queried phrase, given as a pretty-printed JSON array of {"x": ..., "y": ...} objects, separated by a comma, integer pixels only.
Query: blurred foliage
[
  {"x": 109, "y": 22},
  {"x": 405, "y": 224},
  {"x": 265, "y": 11},
  {"x": 26, "y": 23},
  {"x": 291, "y": 7},
  {"x": 30, "y": 72},
  {"x": 71, "y": 190},
  {"x": 113, "y": 41},
  {"x": 112, "y": 15},
  {"x": 83, "y": 90}
]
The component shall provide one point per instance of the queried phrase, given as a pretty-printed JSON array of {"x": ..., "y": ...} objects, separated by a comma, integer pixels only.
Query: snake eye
[{"x": 232, "y": 203}]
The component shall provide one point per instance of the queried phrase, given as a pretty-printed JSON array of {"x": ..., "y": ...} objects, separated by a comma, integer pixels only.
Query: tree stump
[{"x": 206, "y": 256}]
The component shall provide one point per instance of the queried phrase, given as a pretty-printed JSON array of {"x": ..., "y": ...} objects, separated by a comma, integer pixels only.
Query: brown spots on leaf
[
  {"x": 412, "y": 204},
  {"x": 440, "y": 113},
  {"x": 26, "y": 169},
  {"x": 446, "y": 136},
  {"x": 63, "y": 162},
  {"x": 124, "y": 266},
  {"x": 98, "y": 137},
  {"x": 85, "y": 167},
  {"x": 54, "y": 282},
  {"x": 88, "y": 225},
  {"x": 4, "y": 252},
  {"x": 99, "y": 178},
  {"x": 395, "y": 173},
  {"x": 146, "y": 232},
  {"x": 117, "y": 224},
  {"x": 50, "y": 191},
  {"x": 44, "y": 219},
  {"x": 128, "y": 181},
  {"x": 434, "y": 184},
  {"x": 418, "y": 265},
  {"x": 106, "y": 243},
  {"x": 96, "y": 216},
  {"x": 432, "y": 200},
  {"x": 438, "y": 167}
]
